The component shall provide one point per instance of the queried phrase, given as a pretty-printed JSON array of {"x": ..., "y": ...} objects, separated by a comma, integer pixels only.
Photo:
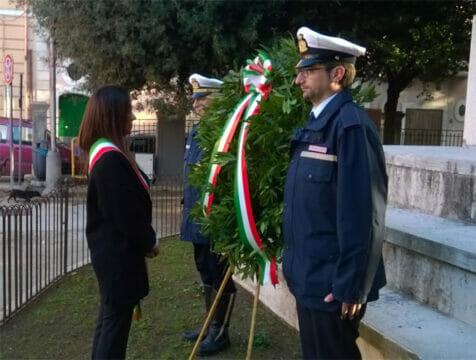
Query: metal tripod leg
[
  {"x": 253, "y": 321},
  {"x": 210, "y": 314}
]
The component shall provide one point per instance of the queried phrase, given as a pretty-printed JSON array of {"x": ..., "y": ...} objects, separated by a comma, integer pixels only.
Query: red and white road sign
[{"x": 8, "y": 69}]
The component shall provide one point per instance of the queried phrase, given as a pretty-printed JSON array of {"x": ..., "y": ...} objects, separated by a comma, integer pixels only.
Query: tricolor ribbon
[
  {"x": 222, "y": 146},
  {"x": 102, "y": 146},
  {"x": 256, "y": 84}
]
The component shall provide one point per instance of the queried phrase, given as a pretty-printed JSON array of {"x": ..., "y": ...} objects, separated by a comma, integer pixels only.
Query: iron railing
[
  {"x": 431, "y": 137},
  {"x": 41, "y": 240},
  {"x": 141, "y": 127},
  {"x": 166, "y": 194},
  {"x": 44, "y": 239}
]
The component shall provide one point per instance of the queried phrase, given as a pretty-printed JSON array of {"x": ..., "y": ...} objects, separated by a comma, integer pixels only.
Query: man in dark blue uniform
[
  {"x": 212, "y": 270},
  {"x": 334, "y": 203}
]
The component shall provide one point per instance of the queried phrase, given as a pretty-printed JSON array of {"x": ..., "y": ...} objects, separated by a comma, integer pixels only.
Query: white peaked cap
[
  {"x": 315, "y": 47},
  {"x": 203, "y": 86}
]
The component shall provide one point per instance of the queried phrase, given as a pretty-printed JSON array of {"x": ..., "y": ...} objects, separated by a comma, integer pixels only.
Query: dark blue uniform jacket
[
  {"x": 334, "y": 208},
  {"x": 190, "y": 230}
]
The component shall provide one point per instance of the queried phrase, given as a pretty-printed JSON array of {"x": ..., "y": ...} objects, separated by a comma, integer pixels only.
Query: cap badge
[
  {"x": 195, "y": 85},
  {"x": 302, "y": 44}
]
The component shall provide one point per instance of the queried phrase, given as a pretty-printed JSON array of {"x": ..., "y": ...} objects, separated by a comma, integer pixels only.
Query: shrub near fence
[{"x": 42, "y": 240}]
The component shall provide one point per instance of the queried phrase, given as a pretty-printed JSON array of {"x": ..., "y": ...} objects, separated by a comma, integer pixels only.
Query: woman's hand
[{"x": 153, "y": 253}]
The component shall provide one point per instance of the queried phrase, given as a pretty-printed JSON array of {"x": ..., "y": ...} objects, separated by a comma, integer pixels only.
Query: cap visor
[
  {"x": 307, "y": 62},
  {"x": 199, "y": 95}
]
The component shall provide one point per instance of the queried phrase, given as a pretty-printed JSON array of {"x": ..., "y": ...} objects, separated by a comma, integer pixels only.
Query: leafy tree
[
  {"x": 157, "y": 43},
  {"x": 407, "y": 40},
  {"x": 153, "y": 43}
]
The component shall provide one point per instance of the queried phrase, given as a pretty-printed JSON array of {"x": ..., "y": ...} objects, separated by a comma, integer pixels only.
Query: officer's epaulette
[
  {"x": 298, "y": 133},
  {"x": 350, "y": 114}
]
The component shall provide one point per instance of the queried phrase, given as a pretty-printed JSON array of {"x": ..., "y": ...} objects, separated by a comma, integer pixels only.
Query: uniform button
[
  {"x": 309, "y": 176},
  {"x": 293, "y": 161},
  {"x": 285, "y": 205}
]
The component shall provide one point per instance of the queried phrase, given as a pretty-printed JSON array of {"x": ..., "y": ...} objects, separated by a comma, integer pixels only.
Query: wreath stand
[
  {"x": 212, "y": 311},
  {"x": 257, "y": 87}
]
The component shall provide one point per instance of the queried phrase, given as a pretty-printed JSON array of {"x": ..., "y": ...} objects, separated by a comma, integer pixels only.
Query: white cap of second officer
[
  {"x": 203, "y": 86},
  {"x": 318, "y": 48}
]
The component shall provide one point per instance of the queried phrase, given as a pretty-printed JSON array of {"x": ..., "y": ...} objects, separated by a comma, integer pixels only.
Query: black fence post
[
  {"x": 4, "y": 262},
  {"x": 65, "y": 269}
]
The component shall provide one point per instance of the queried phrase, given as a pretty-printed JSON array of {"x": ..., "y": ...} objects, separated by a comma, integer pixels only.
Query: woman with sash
[{"x": 119, "y": 215}]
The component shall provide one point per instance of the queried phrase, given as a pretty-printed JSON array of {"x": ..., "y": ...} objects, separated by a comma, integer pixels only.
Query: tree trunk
[
  {"x": 171, "y": 145},
  {"x": 393, "y": 118}
]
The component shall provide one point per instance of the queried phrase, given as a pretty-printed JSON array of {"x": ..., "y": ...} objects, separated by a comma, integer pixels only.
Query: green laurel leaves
[{"x": 267, "y": 159}]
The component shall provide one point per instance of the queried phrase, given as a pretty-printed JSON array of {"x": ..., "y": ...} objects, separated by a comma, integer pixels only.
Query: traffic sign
[{"x": 8, "y": 69}]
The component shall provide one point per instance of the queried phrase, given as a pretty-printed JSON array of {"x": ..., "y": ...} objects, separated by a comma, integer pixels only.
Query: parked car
[{"x": 27, "y": 148}]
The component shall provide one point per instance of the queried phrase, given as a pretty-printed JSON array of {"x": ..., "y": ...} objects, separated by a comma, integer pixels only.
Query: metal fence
[
  {"x": 44, "y": 239},
  {"x": 431, "y": 137},
  {"x": 41, "y": 240},
  {"x": 150, "y": 127},
  {"x": 166, "y": 194}
]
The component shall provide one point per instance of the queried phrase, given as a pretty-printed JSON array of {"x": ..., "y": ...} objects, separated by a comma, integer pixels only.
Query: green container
[{"x": 71, "y": 110}]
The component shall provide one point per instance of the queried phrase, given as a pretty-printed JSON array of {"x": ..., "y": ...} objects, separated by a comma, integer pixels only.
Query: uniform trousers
[
  {"x": 112, "y": 331},
  {"x": 212, "y": 268},
  {"x": 324, "y": 335}
]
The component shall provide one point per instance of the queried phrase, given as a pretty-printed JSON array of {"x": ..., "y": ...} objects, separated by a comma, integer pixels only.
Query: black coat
[
  {"x": 334, "y": 208},
  {"x": 119, "y": 230}
]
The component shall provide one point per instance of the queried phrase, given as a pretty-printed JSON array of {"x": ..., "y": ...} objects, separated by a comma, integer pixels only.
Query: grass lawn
[{"x": 60, "y": 324}]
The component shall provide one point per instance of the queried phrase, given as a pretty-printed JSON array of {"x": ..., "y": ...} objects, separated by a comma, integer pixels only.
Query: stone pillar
[
  {"x": 40, "y": 145},
  {"x": 38, "y": 116},
  {"x": 469, "y": 132},
  {"x": 171, "y": 145},
  {"x": 53, "y": 169}
]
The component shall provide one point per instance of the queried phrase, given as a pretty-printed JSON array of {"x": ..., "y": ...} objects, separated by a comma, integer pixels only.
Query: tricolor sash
[{"x": 102, "y": 146}]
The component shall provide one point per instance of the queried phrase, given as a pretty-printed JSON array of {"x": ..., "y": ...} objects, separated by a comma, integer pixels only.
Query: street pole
[
  {"x": 53, "y": 159},
  {"x": 20, "y": 140},
  {"x": 8, "y": 77},
  {"x": 53, "y": 93},
  {"x": 12, "y": 157}
]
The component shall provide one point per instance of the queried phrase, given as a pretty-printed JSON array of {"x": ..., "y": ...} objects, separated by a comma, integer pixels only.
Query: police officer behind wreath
[
  {"x": 334, "y": 203},
  {"x": 212, "y": 270}
]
